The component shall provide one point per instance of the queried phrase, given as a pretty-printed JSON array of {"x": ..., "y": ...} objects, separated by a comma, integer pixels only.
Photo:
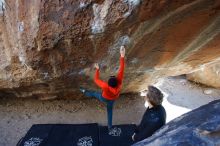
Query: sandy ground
[
  {"x": 18, "y": 115},
  {"x": 182, "y": 96}
]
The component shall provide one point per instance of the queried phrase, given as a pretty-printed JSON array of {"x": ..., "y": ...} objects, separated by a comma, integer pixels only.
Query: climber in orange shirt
[{"x": 110, "y": 90}]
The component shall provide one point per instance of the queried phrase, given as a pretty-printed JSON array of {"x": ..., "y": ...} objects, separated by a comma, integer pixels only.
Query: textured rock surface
[
  {"x": 198, "y": 127},
  {"x": 48, "y": 47},
  {"x": 208, "y": 75}
]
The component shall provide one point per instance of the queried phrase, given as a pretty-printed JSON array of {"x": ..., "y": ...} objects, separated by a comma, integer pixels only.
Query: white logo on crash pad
[
  {"x": 85, "y": 141},
  {"x": 115, "y": 131},
  {"x": 34, "y": 141}
]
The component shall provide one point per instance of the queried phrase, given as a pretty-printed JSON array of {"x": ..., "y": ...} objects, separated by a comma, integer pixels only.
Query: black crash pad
[
  {"x": 74, "y": 135},
  {"x": 119, "y": 135},
  {"x": 37, "y": 134},
  {"x": 62, "y": 135}
]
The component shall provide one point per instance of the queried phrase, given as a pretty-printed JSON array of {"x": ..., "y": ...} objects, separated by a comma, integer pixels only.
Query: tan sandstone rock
[
  {"x": 208, "y": 75},
  {"x": 49, "y": 46}
]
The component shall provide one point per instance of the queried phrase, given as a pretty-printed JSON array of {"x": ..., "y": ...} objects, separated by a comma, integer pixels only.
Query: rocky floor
[{"x": 17, "y": 115}]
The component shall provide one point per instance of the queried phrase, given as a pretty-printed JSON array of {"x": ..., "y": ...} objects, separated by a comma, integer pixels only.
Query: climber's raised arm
[{"x": 122, "y": 64}]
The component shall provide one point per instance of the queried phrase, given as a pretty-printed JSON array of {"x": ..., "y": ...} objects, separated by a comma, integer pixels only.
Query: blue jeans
[{"x": 109, "y": 103}]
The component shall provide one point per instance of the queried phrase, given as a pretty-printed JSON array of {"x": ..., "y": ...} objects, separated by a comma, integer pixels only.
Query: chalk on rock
[{"x": 207, "y": 91}]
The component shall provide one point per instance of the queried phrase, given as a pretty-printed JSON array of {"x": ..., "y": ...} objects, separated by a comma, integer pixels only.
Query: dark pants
[{"x": 109, "y": 104}]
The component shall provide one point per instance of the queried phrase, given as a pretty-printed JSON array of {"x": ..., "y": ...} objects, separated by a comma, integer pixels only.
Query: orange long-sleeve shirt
[{"x": 107, "y": 91}]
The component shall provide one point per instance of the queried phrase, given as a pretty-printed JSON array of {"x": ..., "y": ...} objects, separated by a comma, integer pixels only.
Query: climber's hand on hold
[
  {"x": 96, "y": 65},
  {"x": 122, "y": 51}
]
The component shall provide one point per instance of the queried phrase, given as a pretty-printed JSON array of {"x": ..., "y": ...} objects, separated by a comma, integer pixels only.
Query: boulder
[
  {"x": 209, "y": 75},
  {"x": 47, "y": 47}
]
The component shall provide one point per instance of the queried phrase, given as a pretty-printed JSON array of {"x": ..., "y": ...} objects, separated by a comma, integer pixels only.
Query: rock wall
[
  {"x": 208, "y": 75},
  {"x": 50, "y": 45},
  {"x": 198, "y": 127}
]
